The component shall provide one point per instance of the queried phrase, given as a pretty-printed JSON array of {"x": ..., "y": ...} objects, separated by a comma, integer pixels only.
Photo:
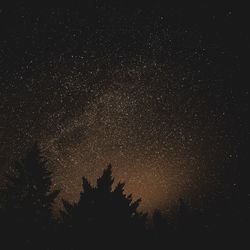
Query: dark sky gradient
[{"x": 159, "y": 91}]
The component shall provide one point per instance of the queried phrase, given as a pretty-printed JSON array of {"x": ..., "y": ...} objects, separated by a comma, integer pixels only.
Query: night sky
[{"x": 159, "y": 91}]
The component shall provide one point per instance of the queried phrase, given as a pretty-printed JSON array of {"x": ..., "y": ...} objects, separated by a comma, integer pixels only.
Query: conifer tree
[
  {"x": 28, "y": 199},
  {"x": 103, "y": 211}
]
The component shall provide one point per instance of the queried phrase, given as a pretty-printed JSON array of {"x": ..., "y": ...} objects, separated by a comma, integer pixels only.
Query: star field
[{"x": 152, "y": 101}]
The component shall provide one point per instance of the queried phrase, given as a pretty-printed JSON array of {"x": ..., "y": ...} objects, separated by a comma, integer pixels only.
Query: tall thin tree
[{"x": 28, "y": 200}]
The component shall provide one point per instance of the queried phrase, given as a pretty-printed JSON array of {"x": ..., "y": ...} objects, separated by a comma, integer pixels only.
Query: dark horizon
[{"x": 104, "y": 210}]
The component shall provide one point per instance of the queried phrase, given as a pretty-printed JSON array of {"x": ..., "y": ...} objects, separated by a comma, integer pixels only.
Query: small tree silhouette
[
  {"x": 27, "y": 200},
  {"x": 103, "y": 212}
]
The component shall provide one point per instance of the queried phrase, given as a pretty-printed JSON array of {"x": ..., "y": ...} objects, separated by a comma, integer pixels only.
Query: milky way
[
  {"x": 150, "y": 123},
  {"x": 152, "y": 102}
]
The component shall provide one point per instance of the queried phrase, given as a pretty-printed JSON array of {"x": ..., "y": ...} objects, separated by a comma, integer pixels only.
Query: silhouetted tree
[
  {"x": 27, "y": 201},
  {"x": 104, "y": 215}
]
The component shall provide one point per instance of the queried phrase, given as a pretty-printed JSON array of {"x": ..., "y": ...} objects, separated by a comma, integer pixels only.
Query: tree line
[{"x": 103, "y": 217}]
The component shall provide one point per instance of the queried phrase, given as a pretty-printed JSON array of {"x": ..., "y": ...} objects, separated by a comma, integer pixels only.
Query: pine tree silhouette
[
  {"x": 27, "y": 201},
  {"x": 103, "y": 214}
]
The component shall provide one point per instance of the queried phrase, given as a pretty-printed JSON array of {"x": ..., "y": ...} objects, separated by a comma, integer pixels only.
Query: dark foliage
[
  {"x": 103, "y": 213},
  {"x": 26, "y": 204},
  {"x": 105, "y": 217}
]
